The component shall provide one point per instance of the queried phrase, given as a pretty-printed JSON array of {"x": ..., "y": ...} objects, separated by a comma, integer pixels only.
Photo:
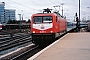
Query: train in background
[
  {"x": 14, "y": 26},
  {"x": 0, "y": 26},
  {"x": 45, "y": 27}
]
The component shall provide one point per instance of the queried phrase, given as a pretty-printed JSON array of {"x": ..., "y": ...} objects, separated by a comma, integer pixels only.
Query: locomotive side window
[
  {"x": 37, "y": 19},
  {"x": 47, "y": 19}
]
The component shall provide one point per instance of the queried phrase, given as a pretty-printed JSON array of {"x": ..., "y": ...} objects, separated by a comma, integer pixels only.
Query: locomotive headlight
[
  {"x": 51, "y": 31},
  {"x": 33, "y": 31}
]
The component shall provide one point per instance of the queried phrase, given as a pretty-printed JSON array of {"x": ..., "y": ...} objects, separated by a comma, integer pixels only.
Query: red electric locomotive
[{"x": 45, "y": 27}]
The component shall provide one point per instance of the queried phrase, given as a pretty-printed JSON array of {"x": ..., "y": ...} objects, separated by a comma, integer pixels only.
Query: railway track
[
  {"x": 30, "y": 51},
  {"x": 8, "y": 43},
  {"x": 14, "y": 31},
  {"x": 19, "y": 52},
  {"x": 16, "y": 41}
]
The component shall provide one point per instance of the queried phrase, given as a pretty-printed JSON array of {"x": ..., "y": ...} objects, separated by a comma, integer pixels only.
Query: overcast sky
[{"x": 28, "y": 7}]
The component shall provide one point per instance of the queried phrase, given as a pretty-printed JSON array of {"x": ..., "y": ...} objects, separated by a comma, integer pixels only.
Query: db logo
[{"x": 42, "y": 31}]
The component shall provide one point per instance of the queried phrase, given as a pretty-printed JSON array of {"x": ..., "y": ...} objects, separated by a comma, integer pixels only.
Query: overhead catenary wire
[
  {"x": 86, "y": 2},
  {"x": 24, "y": 5},
  {"x": 27, "y": 12},
  {"x": 23, "y": 9},
  {"x": 52, "y": 2},
  {"x": 10, "y": 5},
  {"x": 36, "y": 2}
]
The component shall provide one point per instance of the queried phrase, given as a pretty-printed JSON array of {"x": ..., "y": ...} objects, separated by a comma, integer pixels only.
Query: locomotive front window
[
  {"x": 47, "y": 19},
  {"x": 37, "y": 19},
  {"x": 42, "y": 19}
]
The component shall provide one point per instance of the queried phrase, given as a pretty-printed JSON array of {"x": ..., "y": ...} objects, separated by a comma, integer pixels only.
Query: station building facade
[
  {"x": 6, "y": 14},
  {"x": 9, "y": 15},
  {"x": 2, "y": 4}
]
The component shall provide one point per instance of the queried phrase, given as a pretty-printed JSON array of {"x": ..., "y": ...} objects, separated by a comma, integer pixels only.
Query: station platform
[{"x": 73, "y": 46}]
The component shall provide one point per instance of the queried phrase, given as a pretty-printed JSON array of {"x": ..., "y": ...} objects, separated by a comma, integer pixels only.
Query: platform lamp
[
  {"x": 62, "y": 8},
  {"x": 79, "y": 15}
]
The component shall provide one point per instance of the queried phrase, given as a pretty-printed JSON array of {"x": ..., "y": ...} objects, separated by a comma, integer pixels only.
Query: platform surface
[{"x": 74, "y": 46}]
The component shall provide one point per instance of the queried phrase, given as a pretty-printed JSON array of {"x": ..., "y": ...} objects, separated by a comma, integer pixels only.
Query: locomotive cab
[{"x": 42, "y": 28}]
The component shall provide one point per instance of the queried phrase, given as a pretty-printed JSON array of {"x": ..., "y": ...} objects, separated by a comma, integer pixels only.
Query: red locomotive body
[{"x": 46, "y": 27}]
